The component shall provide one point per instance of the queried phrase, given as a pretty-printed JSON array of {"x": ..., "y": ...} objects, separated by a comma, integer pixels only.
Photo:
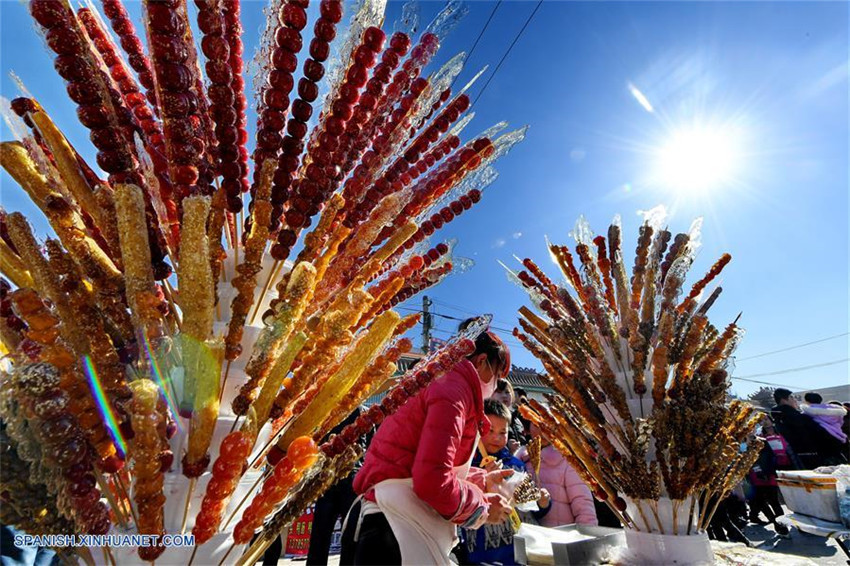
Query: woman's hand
[
  {"x": 493, "y": 481},
  {"x": 545, "y": 499},
  {"x": 499, "y": 509}
]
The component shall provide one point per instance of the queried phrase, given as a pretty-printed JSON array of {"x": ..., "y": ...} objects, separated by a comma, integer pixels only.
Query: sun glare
[{"x": 698, "y": 158}]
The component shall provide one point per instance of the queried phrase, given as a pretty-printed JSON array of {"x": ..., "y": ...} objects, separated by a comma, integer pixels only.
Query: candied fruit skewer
[
  {"x": 233, "y": 34},
  {"x": 226, "y": 472},
  {"x": 379, "y": 371},
  {"x": 99, "y": 105},
  {"x": 299, "y": 211},
  {"x": 197, "y": 300},
  {"x": 401, "y": 83},
  {"x": 282, "y": 58},
  {"x": 104, "y": 357},
  {"x": 80, "y": 401},
  {"x": 46, "y": 280},
  {"x": 139, "y": 278},
  {"x": 145, "y": 446},
  {"x": 360, "y": 242},
  {"x": 332, "y": 336},
  {"x": 216, "y": 48},
  {"x": 358, "y": 129},
  {"x": 246, "y": 280},
  {"x": 38, "y": 388},
  {"x": 409, "y": 385},
  {"x": 320, "y": 176},
  {"x": 314, "y": 242},
  {"x": 433, "y": 277},
  {"x": 138, "y": 105},
  {"x": 16, "y": 158},
  {"x": 294, "y": 302},
  {"x": 302, "y": 453},
  {"x": 166, "y": 25},
  {"x": 120, "y": 21},
  {"x": 205, "y": 410},
  {"x": 275, "y": 136},
  {"x": 12, "y": 266},
  {"x": 343, "y": 379},
  {"x": 404, "y": 170}
]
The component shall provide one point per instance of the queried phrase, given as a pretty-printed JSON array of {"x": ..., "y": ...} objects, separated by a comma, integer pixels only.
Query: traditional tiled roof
[{"x": 527, "y": 378}]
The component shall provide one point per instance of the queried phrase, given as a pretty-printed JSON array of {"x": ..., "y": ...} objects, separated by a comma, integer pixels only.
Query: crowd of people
[
  {"x": 432, "y": 485},
  {"x": 797, "y": 436}
]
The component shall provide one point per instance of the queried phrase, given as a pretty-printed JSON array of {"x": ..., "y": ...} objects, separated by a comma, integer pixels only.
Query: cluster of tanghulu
[
  {"x": 641, "y": 376},
  {"x": 116, "y": 373}
]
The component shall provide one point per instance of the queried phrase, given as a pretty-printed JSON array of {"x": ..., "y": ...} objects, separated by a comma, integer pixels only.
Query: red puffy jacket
[{"x": 426, "y": 438}]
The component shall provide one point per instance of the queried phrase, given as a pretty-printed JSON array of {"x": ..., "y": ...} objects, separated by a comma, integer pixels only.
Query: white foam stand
[
  {"x": 668, "y": 548},
  {"x": 176, "y": 485}
]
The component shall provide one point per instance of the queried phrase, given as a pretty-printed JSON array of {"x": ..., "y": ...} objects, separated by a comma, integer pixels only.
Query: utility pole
[{"x": 427, "y": 323}]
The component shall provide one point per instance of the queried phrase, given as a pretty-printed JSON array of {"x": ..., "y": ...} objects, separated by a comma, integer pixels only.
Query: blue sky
[{"x": 775, "y": 74}]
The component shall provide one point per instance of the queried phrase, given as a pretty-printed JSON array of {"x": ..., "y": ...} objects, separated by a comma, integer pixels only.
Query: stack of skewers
[
  {"x": 641, "y": 376},
  {"x": 171, "y": 364}
]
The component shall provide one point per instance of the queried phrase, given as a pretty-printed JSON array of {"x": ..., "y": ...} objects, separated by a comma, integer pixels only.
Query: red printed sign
[{"x": 298, "y": 541}]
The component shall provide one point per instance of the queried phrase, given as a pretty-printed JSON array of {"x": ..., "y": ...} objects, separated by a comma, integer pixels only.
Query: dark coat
[{"x": 813, "y": 445}]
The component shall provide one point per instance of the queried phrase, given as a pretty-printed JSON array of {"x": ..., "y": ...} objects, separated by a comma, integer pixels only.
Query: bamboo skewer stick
[
  {"x": 224, "y": 382},
  {"x": 226, "y": 554},
  {"x": 273, "y": 273},
  {"x": 192, "y": 558},
  {"x": 245, "y": 498},
  {"x": 129, "y": 501},
  {"x": 191, "y": 491},
  {"x": 122, "y": 520}
]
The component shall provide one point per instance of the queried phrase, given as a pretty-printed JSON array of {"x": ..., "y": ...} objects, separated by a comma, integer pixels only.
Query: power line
[
  {"x": 505, "y": 56},
  {"x": 793, "y": 370},
  {"x": 460, "y": 309},
  {"x": 477, "y": 39},
  {"x": 793, "y": 347}
]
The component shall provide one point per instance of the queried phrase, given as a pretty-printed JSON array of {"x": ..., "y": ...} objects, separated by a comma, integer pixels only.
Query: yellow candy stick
[
  {"x": 342, "y": 381},
  {"x": 69, "y": 168},
  {"x": 207, "y": 384},
  {"x": 262, "y": 406},
  {"x": 196, "y": 297}
]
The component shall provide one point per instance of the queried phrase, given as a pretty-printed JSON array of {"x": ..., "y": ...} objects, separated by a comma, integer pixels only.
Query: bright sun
[{"x": 698, "y": 158}]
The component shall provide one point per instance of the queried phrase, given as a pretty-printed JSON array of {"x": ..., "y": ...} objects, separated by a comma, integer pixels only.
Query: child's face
[
  {"x": 503, "y": 397},
  {"x": 497, "y": 438}
]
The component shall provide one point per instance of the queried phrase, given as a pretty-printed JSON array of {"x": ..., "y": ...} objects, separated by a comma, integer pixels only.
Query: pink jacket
[
  {"x": 427, "y": 437},
  {"x": 572, "y": 501}
]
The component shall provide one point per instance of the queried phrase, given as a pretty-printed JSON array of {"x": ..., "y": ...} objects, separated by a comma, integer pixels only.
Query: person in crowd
[
  {"x": 812, "y": 444},
  {"x": 505, "y": 394},
  {"x": 774, "y": 455},
  {"x": 519, "y": 425},
  {"x": 494, "y": 544},
  {"x": 830, "y": 418},
  {"x": 417, "y": 482},
  {"x": 572, "y": 501},
  {"x": 722, "y": 526},
  {"x": 333, "y": 505}
]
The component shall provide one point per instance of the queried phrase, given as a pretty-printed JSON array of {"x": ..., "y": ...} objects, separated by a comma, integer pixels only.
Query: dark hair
[
  {"x": 838, "y": 403},
  {"x": 497, "y": 409},
  {"x": 488, "y": 343},
  {"x": 520, "y": 392},
  {"x": 781, "y": 394},
  {"x": 814, "y": 398},
  {"x": 505, "y": 385}
]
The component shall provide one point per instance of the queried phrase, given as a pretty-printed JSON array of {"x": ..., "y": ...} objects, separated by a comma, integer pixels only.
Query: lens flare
[
  {"x": 103, "y": 406},
  {"x": 160, "y": 380}
]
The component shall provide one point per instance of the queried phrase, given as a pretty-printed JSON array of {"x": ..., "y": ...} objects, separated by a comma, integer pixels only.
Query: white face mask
[{"x": 487, "y": 389}]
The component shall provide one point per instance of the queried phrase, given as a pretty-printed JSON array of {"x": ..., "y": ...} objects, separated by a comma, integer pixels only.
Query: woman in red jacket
[{"x": 416, "y": 480}]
